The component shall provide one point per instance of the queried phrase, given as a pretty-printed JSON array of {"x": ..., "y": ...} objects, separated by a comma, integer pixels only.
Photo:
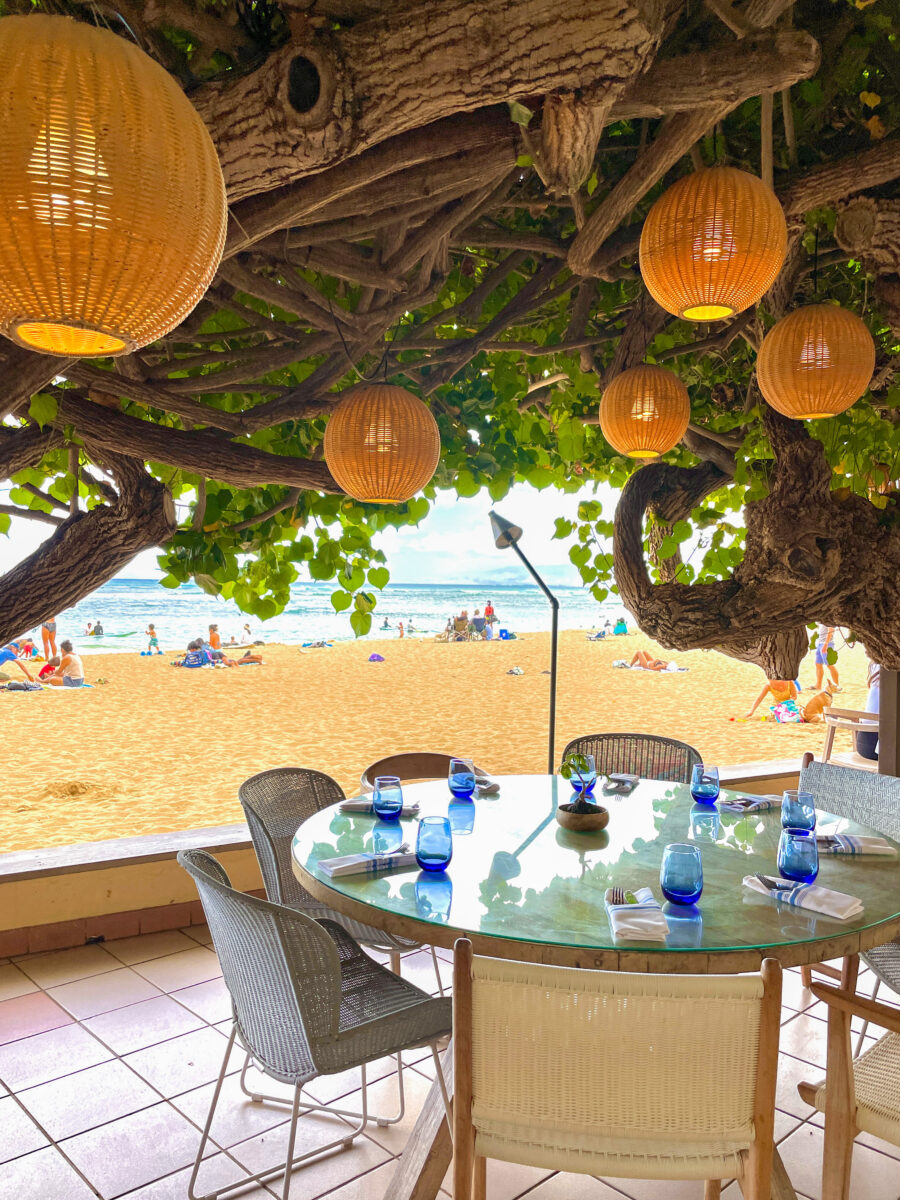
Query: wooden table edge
[{"x": 663, "y": 962}]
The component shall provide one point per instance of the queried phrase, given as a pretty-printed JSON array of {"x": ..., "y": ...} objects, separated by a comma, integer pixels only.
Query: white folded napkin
[
  {"x": 742, "y": 803},
  {"x": 640, "y": 922},
  {"x": 368, "y": 863},
  {"x": 849, "y": 843},
  {"x": 807, "y": 895},
  {"x": 363, "y": 804}
]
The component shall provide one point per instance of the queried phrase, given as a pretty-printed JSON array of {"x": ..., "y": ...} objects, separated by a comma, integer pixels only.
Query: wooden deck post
[{"x": 889, "y": 724}]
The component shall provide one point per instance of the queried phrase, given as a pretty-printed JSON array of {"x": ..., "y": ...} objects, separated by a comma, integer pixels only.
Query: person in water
[
  {"x": 70, "y": 672},
  {"x": 386, "y": 624}
]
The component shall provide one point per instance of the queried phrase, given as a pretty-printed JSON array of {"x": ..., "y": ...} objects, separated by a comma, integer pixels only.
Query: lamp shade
[
  {"x": 382, "y": 444},
  {"x": 644, "y": 412},
  {"x": 816, "y": 362},
  {"x": 112, "y": 197},
  {"x": 713, "y": 244}
]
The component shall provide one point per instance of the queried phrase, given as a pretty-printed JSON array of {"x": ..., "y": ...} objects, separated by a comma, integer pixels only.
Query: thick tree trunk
[
  {"x": 331, "y": 93},
  {"x": 87, "y": 550}
]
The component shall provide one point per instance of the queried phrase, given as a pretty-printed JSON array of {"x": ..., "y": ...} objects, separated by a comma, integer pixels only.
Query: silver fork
[
  {"x": 617, "y": 895},
  {"x": 774, "y": 886}
]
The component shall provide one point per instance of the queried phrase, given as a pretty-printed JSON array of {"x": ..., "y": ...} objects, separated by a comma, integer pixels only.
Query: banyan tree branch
[
  {"x": 290, "y": 499},
  {"x": 326, "y": 96},
  {"x": 87, "y": 549},
  {"x": 200, "y": 451},
  {"x": 153, "y": 395},
  {"x": 31, "y": 514},
  {"x": 24, "y": 446}
]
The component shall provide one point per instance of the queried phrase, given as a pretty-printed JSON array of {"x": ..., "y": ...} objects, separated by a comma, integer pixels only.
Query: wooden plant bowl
[{"x": 582, "y": 822}]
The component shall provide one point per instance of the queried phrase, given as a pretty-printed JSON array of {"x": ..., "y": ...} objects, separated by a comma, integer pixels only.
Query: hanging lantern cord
[
  {"x": 816, "y": 263},
  {"x": 381, "y": 367}
]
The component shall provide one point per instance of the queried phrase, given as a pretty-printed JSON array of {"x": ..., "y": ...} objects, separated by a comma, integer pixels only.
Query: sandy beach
[{"x": 157, "y": 748}]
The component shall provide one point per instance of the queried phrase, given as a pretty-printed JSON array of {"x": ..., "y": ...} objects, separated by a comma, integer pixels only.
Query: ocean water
[{"x": 125, "y": 606}]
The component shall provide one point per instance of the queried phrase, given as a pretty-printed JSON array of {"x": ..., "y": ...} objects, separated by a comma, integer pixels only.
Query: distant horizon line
[{"x": 329, "y": 583}]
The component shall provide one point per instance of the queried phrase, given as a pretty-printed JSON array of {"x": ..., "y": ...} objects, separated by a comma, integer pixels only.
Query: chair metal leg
[
  {"x": 442, "y": 1084},
  {"x": 437, "y": 970},
  {"x": 862, "y": 1033},
  {"x": 292, "y": 1138},
  {"x": 204, "y": 1136},
  {"x": 307, "y": 1106}
]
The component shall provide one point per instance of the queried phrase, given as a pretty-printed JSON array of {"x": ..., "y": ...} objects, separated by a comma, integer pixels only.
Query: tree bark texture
[
  {"x": 333, "y": 93},
  {"x": 87, "y": 550}
]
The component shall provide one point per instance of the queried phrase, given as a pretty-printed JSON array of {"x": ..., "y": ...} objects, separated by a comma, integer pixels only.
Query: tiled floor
[{"x": 108, "y": 1054}]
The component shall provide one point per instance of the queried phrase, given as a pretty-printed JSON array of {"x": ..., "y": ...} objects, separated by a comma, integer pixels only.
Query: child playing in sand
[
  {"x": 49, "y": 667},
  {"x": 153, "y": 643}
]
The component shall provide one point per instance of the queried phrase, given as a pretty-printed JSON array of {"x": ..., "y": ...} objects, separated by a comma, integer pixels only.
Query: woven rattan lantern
[
  {"x": 644, "y": 412},
  {"x": 382, "y": 444},
  {"x": 111, "y": 194},
  {"x": 713, "y": 244},
  {"x": 816, "y": 362}
]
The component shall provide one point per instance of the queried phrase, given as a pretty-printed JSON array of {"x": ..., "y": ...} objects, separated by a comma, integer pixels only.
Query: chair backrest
[
  {"x": 592, "y": 1071},
  {"x": 280, "y": 967},
  {"x": 644, "y": 754},
  {"x": 857, "y": 795},
  {"x": 417, "y": 764},
  {"x": 276, "y": 803}
]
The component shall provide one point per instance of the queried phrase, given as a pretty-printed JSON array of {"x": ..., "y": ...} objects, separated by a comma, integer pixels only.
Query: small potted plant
[{"x": 582, "y": 815}]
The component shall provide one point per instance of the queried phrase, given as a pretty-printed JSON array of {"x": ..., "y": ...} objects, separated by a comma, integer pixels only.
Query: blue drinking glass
[
  {"x": 585, "y": 777},
  {"x": 461, "y": 778},
  {"x": 434, "y": 843},
  {"x": 434, "y": 895},
  {"x": 705, "y": 784},
  {"x": 461, "y": 814},
  {"x": 387, "y": 798},
  {"x": 798, "y": 810},
  {"x": 798, "y": 855},
  {"x": 681, "y": 873}
]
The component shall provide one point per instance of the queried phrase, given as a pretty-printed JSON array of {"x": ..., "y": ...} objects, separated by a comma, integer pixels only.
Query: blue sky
[{"x": 452, "y": 545}]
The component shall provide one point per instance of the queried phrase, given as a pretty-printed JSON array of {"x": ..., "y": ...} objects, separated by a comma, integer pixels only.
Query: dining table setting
[{"x": 682, "y": 877}]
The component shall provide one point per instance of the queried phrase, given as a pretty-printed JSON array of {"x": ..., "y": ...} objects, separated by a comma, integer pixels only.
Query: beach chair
[
  {"x": 644, "y": 754},
  {"x": 610, "y": 1074},
  {"x": 871, "y": 800},
  {"x": 855, "y": 722},
  {"x": 276, "y": 803},
  {"x": 307, "y": 1002}
]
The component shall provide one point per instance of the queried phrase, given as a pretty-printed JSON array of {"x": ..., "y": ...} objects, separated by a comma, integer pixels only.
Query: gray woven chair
[
  {"x": 307, "y": 1002},
  {"x": 871, "y": 800},
  {"x": 643, "y": 754},
  {"x": 276, "y": 803}
]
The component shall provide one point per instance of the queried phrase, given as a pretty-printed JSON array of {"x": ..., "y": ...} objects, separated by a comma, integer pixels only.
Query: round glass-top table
[{"x": 522, "y": 887}]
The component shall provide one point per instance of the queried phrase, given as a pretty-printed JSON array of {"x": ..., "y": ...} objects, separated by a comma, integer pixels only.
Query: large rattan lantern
[
  {"x": 644, "y": 412},
  {"x": 112, "y": 202},
  {"x": 382, "y": 444},
  {"x": 816, "y": 362},
  {"x": 713, "y": 244}
]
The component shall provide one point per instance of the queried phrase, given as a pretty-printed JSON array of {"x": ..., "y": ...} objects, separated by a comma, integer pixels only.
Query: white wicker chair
[
  {"x": 611, "y": 1074},
  {"x": 856, "y": 1097}
]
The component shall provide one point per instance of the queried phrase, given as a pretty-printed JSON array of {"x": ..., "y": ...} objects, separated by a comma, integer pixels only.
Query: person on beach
[
  {"x": 49, "y": 667},
  {"x": 867, "y": 741},
  {"x": 400, "y": 627},
  {"x": 153, "y": 642},
  {"x": 48, "y": 637},
  {"x": 779, "y": 689},
  {"x": 28, "y": 650},
  {"x": 824, "y": 643},
  {"x": 643, "y": 658},
  {"x": 621, "y": 626},
  {"x": 215, "y": 640},
  {"x": 246, "y": 636},
  {"x": 478, "y": 623},
  {"x": 488, "y": 611},
  {"x": 70, "y": 672},
  {"x": 10, "y": 653},
  {"x": 488, "y": 634},
  {"x": 196, "y": 655}
]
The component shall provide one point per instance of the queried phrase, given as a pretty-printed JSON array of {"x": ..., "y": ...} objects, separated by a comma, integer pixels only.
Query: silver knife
[{"x": 775, "y": 886}]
